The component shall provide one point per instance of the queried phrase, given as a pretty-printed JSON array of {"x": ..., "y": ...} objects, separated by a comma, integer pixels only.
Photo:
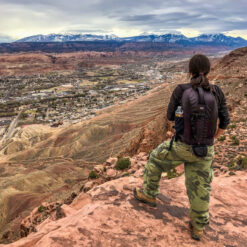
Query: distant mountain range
[
  {"x": 204, "y": 39},
  {"x": 60, "y": 43}
]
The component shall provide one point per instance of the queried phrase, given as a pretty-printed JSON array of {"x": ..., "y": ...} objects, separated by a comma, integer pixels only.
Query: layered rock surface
[{"x": 108, "y": 215}]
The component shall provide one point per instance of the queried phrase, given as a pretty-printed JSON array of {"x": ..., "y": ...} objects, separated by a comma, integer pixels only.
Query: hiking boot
[
  {"x": 139, "y": 195},
  {"x": 195, "y": 232}
]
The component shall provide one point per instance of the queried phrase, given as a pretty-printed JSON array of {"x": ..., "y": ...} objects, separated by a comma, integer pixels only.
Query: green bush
[
  {"x": 93, "y": 175},
  {"x": 231, "y": 126},
  {"x": 222, "y": 138},
  {"x": 122, "y": 163},
  {"x": 235, "y": 140},
  {"x": 239, "y": 164},
  {"x": 41, "y": 209},
  {"x": 242, "y": 162},
  {"x": 231, "y": 165}
]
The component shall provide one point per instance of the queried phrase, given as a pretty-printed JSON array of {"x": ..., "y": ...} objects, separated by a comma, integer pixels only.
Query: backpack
[{"x": 198, "y": 125}]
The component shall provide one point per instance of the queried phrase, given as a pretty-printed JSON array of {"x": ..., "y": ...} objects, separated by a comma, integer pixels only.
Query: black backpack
[{"x": 198, "y": 125}]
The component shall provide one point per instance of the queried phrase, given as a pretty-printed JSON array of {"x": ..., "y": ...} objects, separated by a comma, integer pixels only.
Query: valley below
[{"x": 63, "y": 115}]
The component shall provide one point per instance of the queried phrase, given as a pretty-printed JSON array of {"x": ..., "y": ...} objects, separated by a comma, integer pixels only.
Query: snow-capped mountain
[
  {"x": 169, "y": 38},
  {"x": 204, "y": 39},
  {"x": 67, "y": 38},
  {"x": 219, "y": 39}
]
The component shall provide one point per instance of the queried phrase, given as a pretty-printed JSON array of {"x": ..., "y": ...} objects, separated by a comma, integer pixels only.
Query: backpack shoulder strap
[{"x": 183, "y": 87}]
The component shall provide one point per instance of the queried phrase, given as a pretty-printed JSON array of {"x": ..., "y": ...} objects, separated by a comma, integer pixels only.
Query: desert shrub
[
  {"x": 231, "y": 165},
  {"x": 235, "y": 140},
  {"x": 242, "y": 162},
  {"x": 239, "y": 164},
  {"x": 222, "y": 138},
  {"x": 93, "y": 175},
  {"x": 122, "y": 163},
  {"x": 231, "y": 126},
  {"x": 41, "y": 209}
]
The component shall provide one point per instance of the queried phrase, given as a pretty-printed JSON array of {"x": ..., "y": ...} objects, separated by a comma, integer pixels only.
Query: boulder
[
  {"x": 111, "y": 173},
  {"x": 99, "y": 169},
  {"x": 111, "y": 161},
  {"x": 88, "y": 186}
]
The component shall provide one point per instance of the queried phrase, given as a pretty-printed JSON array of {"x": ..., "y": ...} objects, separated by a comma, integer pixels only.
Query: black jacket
[{"x": 176, "y": 97}]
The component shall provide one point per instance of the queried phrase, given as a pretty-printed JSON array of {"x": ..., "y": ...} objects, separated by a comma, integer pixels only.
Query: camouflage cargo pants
[{"x": 198, "y": 176}]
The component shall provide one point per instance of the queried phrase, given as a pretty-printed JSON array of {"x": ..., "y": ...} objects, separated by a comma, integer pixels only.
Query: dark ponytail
[{"x": 199, "y": 67}]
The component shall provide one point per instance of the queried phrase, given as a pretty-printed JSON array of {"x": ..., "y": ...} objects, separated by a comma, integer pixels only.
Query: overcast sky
[{"x": 22, "y": 18}]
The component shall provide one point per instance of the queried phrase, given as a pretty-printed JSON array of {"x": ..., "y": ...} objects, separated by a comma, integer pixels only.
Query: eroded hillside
[
  {"x": 230, "y": 73},
  {"x": 36, "y": 169}
]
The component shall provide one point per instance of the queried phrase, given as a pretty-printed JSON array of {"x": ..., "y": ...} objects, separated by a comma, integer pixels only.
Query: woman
[{"x": 198, "y": 165}]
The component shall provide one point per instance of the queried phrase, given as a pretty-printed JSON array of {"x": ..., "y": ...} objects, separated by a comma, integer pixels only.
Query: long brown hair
[{"x": 199, "y": 67}]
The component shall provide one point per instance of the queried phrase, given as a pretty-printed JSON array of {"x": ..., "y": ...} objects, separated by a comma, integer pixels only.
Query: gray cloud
[
  {"x": 28, "y": 17},
  {"x": 219, "y": 17}
]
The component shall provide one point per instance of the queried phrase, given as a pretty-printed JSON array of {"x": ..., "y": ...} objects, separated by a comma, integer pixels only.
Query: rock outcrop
[{"x": 108, "y": 215}]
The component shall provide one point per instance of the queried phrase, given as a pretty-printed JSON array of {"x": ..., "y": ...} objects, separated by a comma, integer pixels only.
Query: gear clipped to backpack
[{"x": 179, "y": 121}]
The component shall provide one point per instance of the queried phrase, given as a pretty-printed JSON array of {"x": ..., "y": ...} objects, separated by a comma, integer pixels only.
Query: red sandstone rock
[
  {"x": 111, "y": 173},
  {"x": 142, "y": 156},
  {"x": 88, "y": 186},
  {"x": 111, "y": 161},
  {"x": 108, "y": 215},
  {"x": 99, "y": 169}
]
